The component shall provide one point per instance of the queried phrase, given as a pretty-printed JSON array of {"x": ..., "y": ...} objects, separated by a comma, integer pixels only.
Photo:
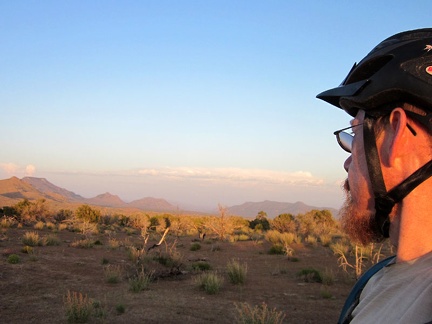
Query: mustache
[{"x": 346, "y": 186}]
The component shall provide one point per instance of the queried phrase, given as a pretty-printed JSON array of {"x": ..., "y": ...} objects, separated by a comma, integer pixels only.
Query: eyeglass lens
[{"x": 345, "y": 140}]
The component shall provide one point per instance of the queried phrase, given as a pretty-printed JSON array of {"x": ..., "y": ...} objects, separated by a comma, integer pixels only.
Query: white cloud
[
  {"x": 30, "y": 170},
  {"x": 11, "y": 169},
  {"x": 217, "y": 175}
]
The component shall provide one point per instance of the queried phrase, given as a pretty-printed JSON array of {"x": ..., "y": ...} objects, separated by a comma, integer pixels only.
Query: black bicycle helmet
[{"x": 398, "y": 70}]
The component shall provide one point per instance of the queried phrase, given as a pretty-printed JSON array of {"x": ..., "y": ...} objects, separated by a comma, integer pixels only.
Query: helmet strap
[{"x": 385, "y": 201}]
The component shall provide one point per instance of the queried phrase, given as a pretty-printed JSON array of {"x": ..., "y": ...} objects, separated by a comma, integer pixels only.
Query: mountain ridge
[{"x": 13, "y": 190}]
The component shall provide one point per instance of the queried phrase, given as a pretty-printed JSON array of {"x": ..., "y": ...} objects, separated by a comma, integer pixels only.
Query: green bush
[
  {"x": 195, "y": 247},
  {"x": 201, "y": 266},
  {"x": 277, "y": 249},
  {"x": 310, "y": 275},
  {"x": 13, "y": 259},
  {"x": 120, "y": 308},
  {"x": 87, "y": 213}
]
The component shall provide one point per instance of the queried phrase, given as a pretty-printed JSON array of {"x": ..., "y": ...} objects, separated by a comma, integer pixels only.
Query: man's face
[{"x": 357, "y": 213}]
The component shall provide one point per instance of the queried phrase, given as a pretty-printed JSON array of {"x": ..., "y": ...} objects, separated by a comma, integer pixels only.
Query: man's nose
[{"x": 347, "y": 163}]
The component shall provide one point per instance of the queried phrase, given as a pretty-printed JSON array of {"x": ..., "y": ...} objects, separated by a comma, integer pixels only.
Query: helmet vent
[{"x": 367, "y": 69}]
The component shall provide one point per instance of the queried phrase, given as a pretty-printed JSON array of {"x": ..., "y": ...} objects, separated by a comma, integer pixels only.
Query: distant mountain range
[
  {"x": 14, "y": 190},
  {"x": 274, "y": 208}
]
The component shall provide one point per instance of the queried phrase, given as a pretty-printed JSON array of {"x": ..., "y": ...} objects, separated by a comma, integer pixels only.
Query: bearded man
[{"x": 389, "y": 94}]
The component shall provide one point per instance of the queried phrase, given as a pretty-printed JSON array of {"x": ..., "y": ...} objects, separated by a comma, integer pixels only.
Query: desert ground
[{"x": 34, "y": 290}]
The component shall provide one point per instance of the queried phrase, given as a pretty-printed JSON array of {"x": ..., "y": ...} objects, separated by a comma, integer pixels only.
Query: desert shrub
[
  {"x": 325, "y": 293},
  {"x": 98, "y": 310},
  {"x": 210, "y": 282},
  {"x": 195, "y": 246},
  {"x": 113, "y": 274},
  {"x": 273, "y": 236},
  {"x": 284, "y": 223},
  {"x": 340, "y": 248},
  {"x": 62, "y": 227},
  {"x": 120, "y": 308},
  {"x": 13, "y": 259},
  {"x": 201, "y": 266},
  {"x": 312, "y": 240},
  {"x": 140, "y": 281},
  {"x": 28, "y": 212},
  {"x": 216, "y": 247},
  {"x": 39, "y": 225},
  {"x": 78, "y": 307},
  {"x": 114, "y": 243},
  {"x": 260, "y": 222},
  {"x": 237, "y": 272},
  {"x": 31, "y": 239},
  {"x": 242, "y": 237},
  {"x": 87, "y": 213},
  {"x": 63, "y": 214},
  {"x": 134, "y": 254},
  {"x": 83, "y": 243},
  {"x": 328, "y": 277},
  {"x": 277, "y": 249},
  {"x": 310, "y": 275},
  {"x": 259, "y": 314},
  {"x": 27, "y": 249},
  {"x": 50, "y": 225},
  {"x": 51, "y": 240},
  {"x": 7, "y": 222},
  {"x": 325, "y": 239}
]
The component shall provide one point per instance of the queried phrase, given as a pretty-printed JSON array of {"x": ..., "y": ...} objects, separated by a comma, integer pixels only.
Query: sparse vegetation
[
  {"x": 195, "y": 246},
  {"x": 140, "y": 281},
  {"x": 78, "y": 307},
  {"x": 13, "y": 259},
  {"x": 310, "y": 275},
  {"x": 31, "y": 239},
  {"x": 210, "y": 282},
  {"x": 237, "y": 272},
  {"x": 132, "y": 251},
  {"x": 113, "y": 274},
  {"x": 259, "y": 314}
]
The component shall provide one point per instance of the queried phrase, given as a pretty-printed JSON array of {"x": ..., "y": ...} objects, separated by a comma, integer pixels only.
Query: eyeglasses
[{"x": 345, "y": 139}]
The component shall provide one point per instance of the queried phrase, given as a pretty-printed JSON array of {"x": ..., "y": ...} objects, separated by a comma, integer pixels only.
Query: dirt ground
[{"x": 34, "y": 290}]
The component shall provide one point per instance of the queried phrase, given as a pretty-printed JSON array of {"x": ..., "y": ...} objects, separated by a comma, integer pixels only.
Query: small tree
[
  {"x": 284, "y": 223},
  {"x": 86, "y": 213},
  {"x": 260, "y": 222}
]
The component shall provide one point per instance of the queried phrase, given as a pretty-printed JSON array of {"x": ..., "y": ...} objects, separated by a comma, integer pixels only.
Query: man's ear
[{"x": 398, "y": 140}]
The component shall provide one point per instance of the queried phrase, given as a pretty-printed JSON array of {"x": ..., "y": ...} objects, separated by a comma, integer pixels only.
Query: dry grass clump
[
  {"x": 31, "y": 239},
  {"x": 51, "y": 240},
  {"x": 210, "y": 282},
  {"x": 113, "y": 273},
  {"x": 260, "y": 314},
  {"x": 140, "y": 281},
  {"x": 83, "y": 243},
  {"x": 78, "y": 307},
  {"x": 39, "y": 225},
  {"x": 237, "y": 272},
  {"x": 7, "y": 222}
]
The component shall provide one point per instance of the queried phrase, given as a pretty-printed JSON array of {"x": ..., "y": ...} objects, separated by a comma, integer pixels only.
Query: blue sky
[{"x": 198, "y": 102}]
